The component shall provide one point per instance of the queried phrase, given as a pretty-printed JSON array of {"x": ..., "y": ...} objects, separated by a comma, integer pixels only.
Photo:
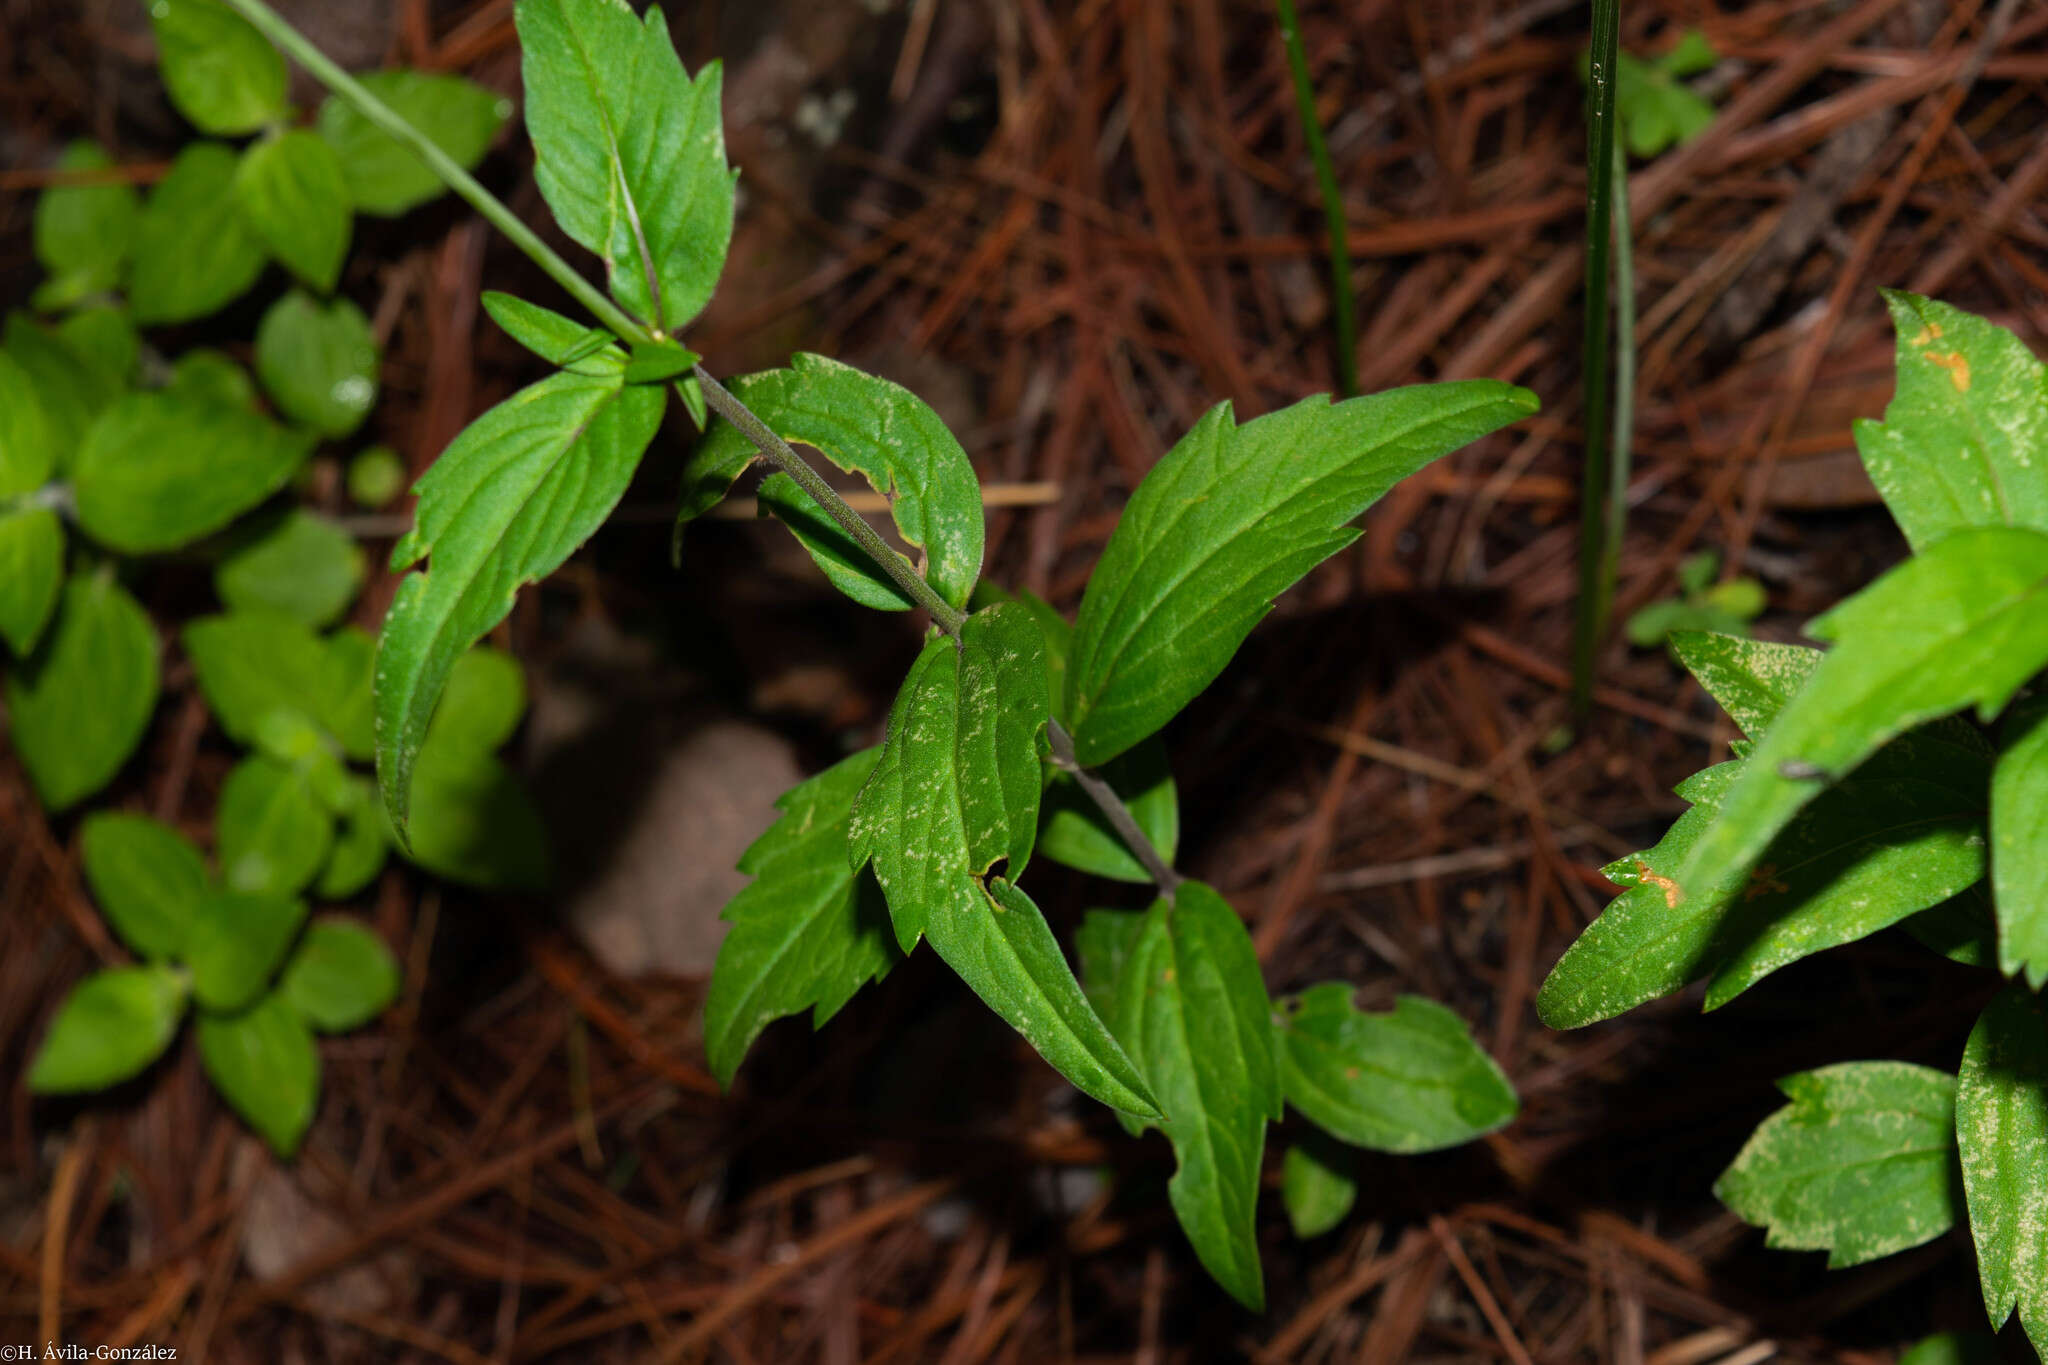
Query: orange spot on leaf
[
  {"x": 1672, "y": 894},
  {"x": 1957, "y": 366}
]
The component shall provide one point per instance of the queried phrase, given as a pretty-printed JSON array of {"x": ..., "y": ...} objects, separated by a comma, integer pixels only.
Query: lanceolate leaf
[
  {"x": 2002, "y": 1127},
  {"x": 548, "y": 334},
  {"x": 2019, "y": 842},
  {"x": 31, "y": 570},
  {"x": 264, "y": 1063},
  {"x": 1859, "y": 1165},
  {"x": 1963, "y": 622},
  {"x": 113, "y": 1024},
  {"x": 507, "y": 502},
  {"x": 1960, "y": 444},
  {"x": 147, "y": 878},
  {"x": 383, "y": 175},
  {"x": 293, "y": 196},
  {"x": 807, "y": 932},
  {"x": 1192, "y": 1010},
  {"x": 1229, "y": 519},
  {"x": 629, "y": 151},
  {"x": 79, "y": 705},
  {"x": 888, "y": 435},
  {"x": 318, "y": 362},
  {"x": 194, "y": 253}
]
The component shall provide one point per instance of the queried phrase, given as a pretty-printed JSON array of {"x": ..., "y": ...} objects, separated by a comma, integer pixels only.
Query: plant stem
[
  {"x": 1113, "y": 809},
  {"x": 301, "y": 50},
  {"x": 1623, "y": 401},
  {"x": 1596, "y": 491},
  {"x": 1333, "y": 199}
]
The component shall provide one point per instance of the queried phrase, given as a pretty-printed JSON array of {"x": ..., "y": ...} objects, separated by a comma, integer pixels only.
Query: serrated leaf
[
  {"x": 1963, "y": 622},
  {"x": 807, "y": 932},
  {"x": 69, "y": 389},
  {"x": 299, "y": 564},
  {"x": 1410, "y": 1080},
  {"x": 31, "y": 571},
  {"x": 209, "y": 376},
  {"x": 293, "y": 197},
  {"x": 1229, "y": 519},
  {"x": 253, "y": 664},
  {"x": 106, "y": 339},
  {"x": 237, "y": 940},
  {"x": 265, "y": 1065},
  {"x": 1318, "y": 1184},
  {"x": 318, "y": 362},
  {"x": 472, "y": 822},
  {"x": 2002, "y": 1129},
  {"x": 1073, "y": 830},
  {"x": 79, "y": 704},
  {"x": 112, "y": 1025},
  {"x": 28, "y": 444},
  {"x": 1752, "y": 679},
  {"x": 2019, "y": 842},
  {"x": 506, "y": 503},
  {"x": 83, "y": 233},
  {"x": 548, "y": 334},
  {"x": 865, "y": 425},
  {"x": 194, "y": 253},
  {"x": 629, "y": 152},
  {"x": 157, "y": 471},
  {"x": 147, "y": 879},
  {"x": 1960, "y": 445},
  {"x": 383, "y": 175},
  {"x": 1859, "y": 1165},
  {"x": 274, "y": 834},
  {"x": 482, "y": 704},
  {"x": 340, "y": 977},
  {"x": 1191, "y": 1009}
]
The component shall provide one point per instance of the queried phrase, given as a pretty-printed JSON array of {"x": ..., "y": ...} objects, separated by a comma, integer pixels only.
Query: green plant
[
  {"x": 1012, "y": 725},
  {"x": 114, "y": 455},
  {"x": 1702, "y": 604},
  {"x": 1863, "y": 796},
  {"x": 1343, "y": 305}
]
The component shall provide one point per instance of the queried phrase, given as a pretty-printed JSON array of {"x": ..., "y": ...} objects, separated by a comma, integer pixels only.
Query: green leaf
[
  {"x": 318, "y": 362},
  {"x": 2019, "y": 834},
  {"x": 865, "y": 425},
  {"x": 106, "y": 338},
  {"x": 1961, "y": 928},
  {"x": 1752, "y": 679},
  {"x": 1192, "y": 1010},
  {"x": 255, "y": 664},
  {"x": 341, "y": 977},
  {"x": 1103, "y": 941},
  {"x": 629, "y": 151},
  {"x": 293, "y": 196},
  {"x": 194, "y": 253},
  {"x": 383, "y": 175},
  {"x": 1411, "y": 1080},
  {"x": 80, "y": 703},
  {"x": 112, "y": 1025},
  {"x": 807, "y": 932},
  {"x": 157, "y": 472},
  {"x": 69, "y": 388},
  {"x": 1955, "y": 1348},
  {"x": 1964, "y": 621},
  {"x": 219, "y": 71},
  {"x": 83, "y": 233},
  {"x": 238, "y": 938},
  {"x": 28, "y": 445},
  {"x": 655, "y": 362},
  {"x": 375, "y": 476},
  {"x": 506, "y": 503},
  {"x": 265, "y": 1065},
  {"x": 350, "y": 711},
  {"x": 1229, "y": 519},
  {"x": 472, "y": 821},
  {"x": 1689, "y": 56},
  {"x": 1961, "y": 439},
  {"x": 147, "y": 878},
  {"x": 484, "y": 699},
  {"x": 1073, "y": 830},
  {"x": 360, "y": 848},
  {"x": 548, "y": 334},
  {"x": 209, "y": 376},
  {"x": 1319, "y": 1184},
  {"x": 274, "y": 833},
  {"x": 300, "y": 564},
  {"x": 1657, "y": 112},
  {"x": 844, "y": 563},
  {"x": 1859, "y": 1165},
  {"x": 2002, "y": 1129},
  {"x": 31, "y": 570}
]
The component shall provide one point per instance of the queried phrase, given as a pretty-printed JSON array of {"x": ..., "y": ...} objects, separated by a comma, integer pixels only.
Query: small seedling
[{"x": 1702, "y": 604}]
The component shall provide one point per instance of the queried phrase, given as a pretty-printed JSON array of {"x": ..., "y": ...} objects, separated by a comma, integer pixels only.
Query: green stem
[
  {"x": 1113, "y": 809},
  {"x": 1624, "y": 399},
  {"x": 1333, "y": 199},
  {"x": 1596, "y": 489}
]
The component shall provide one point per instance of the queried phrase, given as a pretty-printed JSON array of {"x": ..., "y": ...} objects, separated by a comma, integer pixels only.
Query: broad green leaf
[
  {"x": 548, "y": 334},
  {"x": 318, "y": 362},
  {"x": 1960, "y": 444},
  {"x": 472, "y": 821},
  {"x": 2019, "y": 842},
  {"x": 79, "y": 704},
  {"x": 209, "y": 376},
  {"x": 293, "y": 196},
  {"x": 1955, "y": 1348},
  {"x": 2002, "y": 1129},
  {"x": 1103, "y": 941},
  {"x": 218, "y": 70},
  {"x": 28, "y": 443},
  {"x": 1072, "y": 829},
  {"x": 384, "y": 176},
  {"x": 350, "y": 713},
  {"x": 1228, "y": 520},
  {"x": 482, "y": 704},
  {"x": 507, "y": 502},
  {"x": 1752, "y": 679},
  {"x": 865, "y": 425},
  {"x": 1963, "y": 622},
  {"x": 1657, "y": 112},
  {"x": 106, "y": 338},
  {"x": 375, "y": 476},
  {"x": 298, "y": 563},
  {"x": 1411, "y": 1080},
  {"x": 147, "y": 879},
  {"x": 31, "y": 571},
  {"x": 265, "y": 1065},
  {"x": 1192, "y": 1010},
  {"x": 112, "y": 1025},
  {"x": 1859, "y": 1165},
  {"x": 340, "y": 977},
  {"x": 194, "y": 253},
  {"x": 83, "y": 232},
  {"x": 157, "y": 472},
  {"x": 807, "y": 932},
  {"x": 69, "y": 389},
  {"x": 1318, "y": 1184},
  {"x": 253, "y": 664},
  {"x": 237, "y": 940},
  {"x": 1962, "y": 928},
  {"x": 360, "y": 849},
  {"x": 629, "y": 151},
  {"x": 274, "y": 833},
  {"x": 1059, "y": 635}
]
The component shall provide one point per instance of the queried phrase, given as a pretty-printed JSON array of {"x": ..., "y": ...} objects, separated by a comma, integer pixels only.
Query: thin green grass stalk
[
  {"x": 1346, "y": 309},
  {"x": 1623, "y": 399},
  {"x": 1600, "y": 491}
]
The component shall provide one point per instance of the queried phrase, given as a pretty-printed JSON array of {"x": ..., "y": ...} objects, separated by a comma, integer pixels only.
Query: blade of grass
[
  {"x": 1601, "y": 493},
  {"x": 1342, "y": 303}
]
